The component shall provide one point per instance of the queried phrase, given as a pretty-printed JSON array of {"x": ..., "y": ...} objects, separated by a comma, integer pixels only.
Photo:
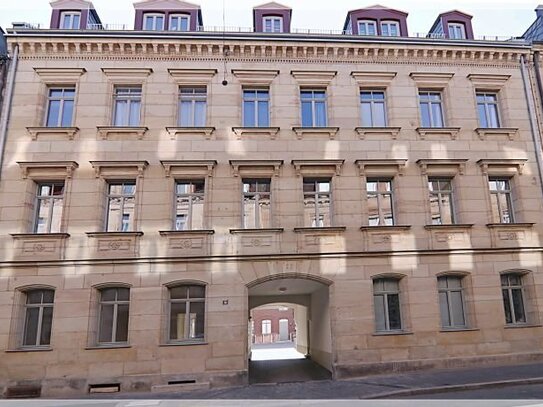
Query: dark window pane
[
  {"x": 122, "y": 323},
  {"x": 197, "y": 316},
  {"x": 379, "y": 307},
  {"x": 107, "y": 294},
  {"x": 123, "y": 294},
  {"x": 31, "y": 326},
  {"x": 177, "y": 293},
  {"x": 106, "y": 323},
  {"x": 307, "y": 114},
  {"x": 507, "y": 307},
  {"x": 518, "y": 305},
  {"x": 47, "y": 320},
  {"x": 394, "y": 311},
  {"x": 48, "y": 296},
  {"x": 177, "y": 321},
  {"x": 457, "y": 307},
  {"x": 444, "y": 309},
  {"x": 34, "y": 297},
  {"x": 197, "y": 291}
]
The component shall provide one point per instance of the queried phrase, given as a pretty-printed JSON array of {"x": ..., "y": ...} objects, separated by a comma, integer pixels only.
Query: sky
[{"x": 490, "y": 17}]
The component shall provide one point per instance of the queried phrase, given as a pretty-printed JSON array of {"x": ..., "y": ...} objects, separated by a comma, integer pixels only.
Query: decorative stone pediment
[
  {"x": 445, "y": 167},
  {"x": 127, "y": 74},
  {"x": 272, "y": 5},
  {"x": 192, "y": 76},
  {"x": 325, "y": 167},
  {"x": 502, "y": 166},
  {"x": 119, "y": 168},
  {"x": 59, "y": 75},
  {"x": 378, "y": 167},
  {"x": 47, "y": 169},
  {"x": 373, "y": 79},
  {"x": 165, "y": 5},
  {"x": 70, "y": 4},
  {"x": 431, "y": 79},
  {"x": 255, "y": 77},
  {"x": 255, "y": 168},
  {"x": 313, "y": 78},
  {"x": 184, "y": 168},
  {"x": 488, "y": 81}
]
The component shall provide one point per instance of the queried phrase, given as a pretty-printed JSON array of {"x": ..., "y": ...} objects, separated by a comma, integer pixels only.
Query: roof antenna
[{"x": 225, "y": 52}]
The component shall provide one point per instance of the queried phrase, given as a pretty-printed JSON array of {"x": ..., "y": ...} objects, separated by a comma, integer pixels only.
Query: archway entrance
[{"x": 289, "y": 334}]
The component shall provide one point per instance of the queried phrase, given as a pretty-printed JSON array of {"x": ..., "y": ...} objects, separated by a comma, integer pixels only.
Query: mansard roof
[
  {"x": 272, "y": 5},
  {"x": 165, "y": 5},
  {"x": 71, "y": 4}
]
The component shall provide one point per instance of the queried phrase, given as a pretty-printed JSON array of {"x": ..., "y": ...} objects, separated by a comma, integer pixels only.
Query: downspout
[
  {"x": 6, "y": 108},
  {"x": 531, "y": 112}
]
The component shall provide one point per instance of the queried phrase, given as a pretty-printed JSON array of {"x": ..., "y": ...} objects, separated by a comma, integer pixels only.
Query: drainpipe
[
  {"x": 531, "y": 112},
  {"x": 6, "y": 108}
]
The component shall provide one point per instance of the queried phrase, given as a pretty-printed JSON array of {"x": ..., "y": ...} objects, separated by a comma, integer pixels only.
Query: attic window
[
  {"x": 457, "y": 31},
  {"x": 272, "y": 24},
  {"x": 179, "y": 22},
  {"x": 390, "y": 28},
  {"x": 153, "y": 22},
  {"x": 69, "y": 20},
  {"x": 367, "y": 27}
]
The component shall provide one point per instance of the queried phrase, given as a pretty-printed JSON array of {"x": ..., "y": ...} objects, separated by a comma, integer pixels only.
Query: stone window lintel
[
  {"x": 313, "y": 78},
  {"x": 255, "y": 77},
  {"x": 47, "y": 169},
  {"x": 189, "y": 167},
  {"x": 266, "y": 167},
  {"x": 122, "y": 74},
  {"x": 454, "y": 165},
  {"x": 128, "y": 168},
  {"x": 373, "y": 79},
  {"x": 192, "y": 76},
  {"x": 59, "y": 75},
  {"x": 309, "y": 166},
  {"x": 492, "y": 81},
  {"x": 381, "y": 166},
  {"x": 490, "y": 165},
  {"x": 431, "y": 79},
  {"x": 186, "y": 232}
]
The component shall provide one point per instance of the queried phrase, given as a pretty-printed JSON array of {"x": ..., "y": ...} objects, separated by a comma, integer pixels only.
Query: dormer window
[
  {"x": 390, "y": 28},
  {"x": 457, "y": 31},
  {"x": 367, "y": 27},
  {"x": 153, "y": 22},
  {"x": 70, "y": 20},
  {"x": 272, "y": 24},
  {"x": 179, "y": 22}
]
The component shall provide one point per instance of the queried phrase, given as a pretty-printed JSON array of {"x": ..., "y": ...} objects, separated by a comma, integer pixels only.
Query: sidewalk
[{"x": 389, "y": 386}]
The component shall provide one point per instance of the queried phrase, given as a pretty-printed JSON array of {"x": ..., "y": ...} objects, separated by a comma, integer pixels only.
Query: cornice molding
[
  {"x": 119, "y": 168},
  {"x": 255, "y": 76},
  {"x": 60, "y": 74},
  {"x": 502, "y": 166},
  {"x": 442, "y": 166},
  {"x": 188, "y": 167},
  {"x": 256, "y": 167},
  {"x": 313, "y": 78},
  {"x": 192, "y": 76},
  {"x": 318, "y": 167},
  {"x": 493, "y": 81},
  {"x": 373, "y": 79},
  {"x": 431, "y": 79},
  {"x": 139, "y": 74},
  {"x": 387, "y": 167},
  {"x": 40, "y": 169}
]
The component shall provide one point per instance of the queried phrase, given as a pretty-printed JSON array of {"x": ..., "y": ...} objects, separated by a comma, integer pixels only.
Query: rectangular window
[
  {"x": 441, "y": 201},
  {"x": 179, "y": 23},
  {"x": 373, "y": 108},
  {"x": 121, "y": 204},
  {"x": 313, "y": 107},
  {"x": 451, "y": 302},
  {"x": 317, "y": 202},
  {"x": 390, "y": 28},
  {"x": 513, "y": 298},
  {"x": 386, "y": 301},
  {"x": 192, "y": 106},
  {"x": 113, "y": 315},
  {"x": 60, "y": 107},
  {"x": 38, "y": 316},
  {"x": 256, "y": 203},
  {"x": 49, "y": 205},
  {"x": 367, "y": 27},
  {"x": 153, "y": 22},
  {"x": 127, "y": 105},
  {"x": 457, "y": 31},
  {"x": 189, "y": 205},
  {"x": 70, "y": 20},
  {"x": 187, "y": 313},
  {"x": 272, "y": 24},
  {"x": 380, "y": 211},
  {"x": 501, "y": 200},
  {"x": 431, "y": 109},
  {"x": 256, "y": 108},
  {"x": 266, "y": 327},
  {"x": 487, "y": 108}
]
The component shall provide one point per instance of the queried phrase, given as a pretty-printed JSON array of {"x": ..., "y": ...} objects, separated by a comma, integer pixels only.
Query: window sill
[
  {"x": 48, "y": 236},
  {"x": 387, "y": 228},
  {"x": 330, "y": 229},
  {"x": 44, "y": 349},
  {"x": 270, "y": 131},
  {"x": 509, "y": 225},
  {"x": 380, "y": 131},
  {"x": 515, "y": 326},
  {"x": 113, "y": 234},
  {"x": 449, "y": 226},
  {"x": 187, "y": 343},
  {"x": 204, "y": 131},
  {"x": 68, "y": 132},
  {"x": 106, "y": 131},
  {"x": 97, "y": 347},
  {"x": 304, "y": 131},
  {"x": 446, "y": 330},
  {"x": 250, "y": 231},
  {"x": 452, "y": 132},
  {"x": 186, "y": 232},
  {"x": 510, "y": 132},
  {"x": 392, "y": 333}
]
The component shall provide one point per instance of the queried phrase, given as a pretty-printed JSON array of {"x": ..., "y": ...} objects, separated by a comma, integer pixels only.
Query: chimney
[{"x": 539, "y": 11}]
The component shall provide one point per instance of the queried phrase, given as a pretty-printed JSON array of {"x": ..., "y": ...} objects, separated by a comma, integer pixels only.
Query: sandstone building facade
[{"x": 158, "y": 184}]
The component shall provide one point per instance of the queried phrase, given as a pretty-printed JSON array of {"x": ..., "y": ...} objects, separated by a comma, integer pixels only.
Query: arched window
[
  {"x": 114, "y": 304},
  {"x": 386, "y": 301},
  {"x": 38, "y": 317},
  {"x": 186, "y": 313}
]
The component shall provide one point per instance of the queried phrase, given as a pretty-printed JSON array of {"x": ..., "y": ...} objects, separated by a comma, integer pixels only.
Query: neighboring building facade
[
  {"x": 271, "y": 325},
  {"x": 158, "y": 185},
  {"x": 3, "y": 66}
]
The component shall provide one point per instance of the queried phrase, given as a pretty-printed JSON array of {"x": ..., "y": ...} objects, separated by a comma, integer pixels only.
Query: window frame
[
  {"x": 378, "y": 195},
  {"x": 70, "y": 15},
  {"x": 424, "y": 98},
  {"x": 454, "y": 26},
  {"x": 447, "y": 291},
  {"x": 315, "y": 195},
  {"x": 509, "y": 199},
  {"x": 438, "y": 194},
  {"x": 256, "y": 101},
  {"x": 187, "y": 300},
  {"x": 122, "y": 182},
  {"x": 385, "y": 293},
  {"x": 257, "y": 194},
  {"x": 189, "y": 195},
  {"x": 154, "y": 17},
  {"x": 130, "y": 98},
  {"x": 51, "y": 198},
  {"x": 367, "y": 22},
  {"x": 314, "y": 102},
  {"x": 390, "y": 23},
  {"x": 372, "y": 102},
  {"x": 41, "y": 306},
  {"x": 268, "y": 324},
  {"x": 486, "y": 105},
  {"x": 194, "y": 97},
  {"x": 179, "y": 16},
  {"x": 509, "y": 287},
  {"x": 115, "y": 304},
  {"x": 62, "y": 99},
  {"x": 273, "y": 19}
]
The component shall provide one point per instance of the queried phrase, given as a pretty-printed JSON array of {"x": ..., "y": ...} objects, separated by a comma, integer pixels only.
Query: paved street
[{"x": 517, "y": 392}]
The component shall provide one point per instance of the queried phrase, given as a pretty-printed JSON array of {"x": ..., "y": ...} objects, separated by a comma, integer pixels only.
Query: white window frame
[
  {"x": 256, "y": 195},
  {"x": 51, "y": 199},
  {"x": 272, "y": 20},
  {"x": 123, "y": 197},
  {"x": 486, "y": 103},
  {"x": 438, "y": 194},
  {"x": 372, "y": 102},
  {"x": 424, "y": 98},
  {"x": 367, "y": 23},
  {"x": 132, "y": 96},
  {"x": 268, "y": 324},
  {"x": 187, "y": 301},
  {"x": 116, "y": 302},
  {"x": 70, "y": 15},
  {"x": 314, "y": 101},
  {"x": 448, "y": 292},
  {"x": 508, "y": 192},
  {"x": 380, "y": 196},
  {"x": 388, "y": 24},
  {"x": 192, "y": 97},
  {"x": 452, "y": 29},
  {"x": 154, "y": 17},
  {"x": 385, "y": 293},
  {"x": 62, "y": 99},
  {"x": 256, "y": 100},
  {"x": 179, "y": 16},
  {"x": 191, "y": 196}
]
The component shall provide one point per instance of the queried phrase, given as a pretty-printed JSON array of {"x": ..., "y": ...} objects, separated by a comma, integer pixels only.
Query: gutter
[
  {"x": 531, "y": 112},
  {"x": 6, "y": 107}
]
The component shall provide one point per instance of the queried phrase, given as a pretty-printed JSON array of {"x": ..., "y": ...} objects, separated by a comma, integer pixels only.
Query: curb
[{"x": 450, "y": 388}]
